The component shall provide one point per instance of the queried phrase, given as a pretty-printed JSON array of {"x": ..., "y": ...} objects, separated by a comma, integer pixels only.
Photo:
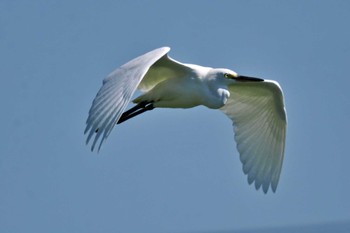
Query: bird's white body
[
  {"x": 198, "y": 88},
  {"x": 255, "y": 106}
]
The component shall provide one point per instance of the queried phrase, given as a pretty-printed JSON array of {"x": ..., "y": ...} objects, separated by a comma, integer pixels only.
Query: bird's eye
[{"x": 227, "y": 75}]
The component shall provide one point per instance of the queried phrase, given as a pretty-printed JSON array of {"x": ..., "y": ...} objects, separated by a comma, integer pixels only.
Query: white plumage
[{"x": 256, "y": 106}]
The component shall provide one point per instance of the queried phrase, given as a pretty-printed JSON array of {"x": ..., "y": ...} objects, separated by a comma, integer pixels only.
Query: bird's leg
[{"x": 136, "y": 110}]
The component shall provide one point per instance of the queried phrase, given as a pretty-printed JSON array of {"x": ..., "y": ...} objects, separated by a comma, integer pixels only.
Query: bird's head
[{"x": 229, "y": 75}]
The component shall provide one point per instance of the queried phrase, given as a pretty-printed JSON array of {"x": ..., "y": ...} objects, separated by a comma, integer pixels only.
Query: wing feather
[
  {"x": 143, "y": 73},
  {"x": 115, "y": 94},
  {"x": 259, "y": 118}
]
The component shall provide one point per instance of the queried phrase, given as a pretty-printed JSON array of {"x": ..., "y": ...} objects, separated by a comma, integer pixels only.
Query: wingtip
[
  {"x": 92, "y": 149},
  {"x": 274, "y": 187},
  {"x": 264, "y": 187}
]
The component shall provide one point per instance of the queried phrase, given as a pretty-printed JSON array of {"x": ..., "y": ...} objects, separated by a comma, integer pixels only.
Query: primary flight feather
[{"x": 256, "y": 106}]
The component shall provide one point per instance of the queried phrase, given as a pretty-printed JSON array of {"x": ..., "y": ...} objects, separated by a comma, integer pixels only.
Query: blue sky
[{"x": 169, "y": 170}]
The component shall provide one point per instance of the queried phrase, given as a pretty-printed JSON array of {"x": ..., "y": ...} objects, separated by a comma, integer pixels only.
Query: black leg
[{"x": 136, "y": 110}]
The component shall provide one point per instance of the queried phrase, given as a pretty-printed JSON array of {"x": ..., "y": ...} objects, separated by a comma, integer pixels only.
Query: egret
[{"x": 255, "y": 106}]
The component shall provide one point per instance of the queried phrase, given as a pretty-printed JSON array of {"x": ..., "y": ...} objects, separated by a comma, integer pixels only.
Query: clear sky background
[{"x": 169, "y": 170}]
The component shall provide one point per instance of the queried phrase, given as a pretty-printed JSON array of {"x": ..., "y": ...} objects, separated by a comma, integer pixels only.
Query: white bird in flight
[{"x": 255, "y": 106}]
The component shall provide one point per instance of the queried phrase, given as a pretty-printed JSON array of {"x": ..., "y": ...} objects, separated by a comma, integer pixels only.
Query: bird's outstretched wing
[
  {"x": 143, "y": 73},
  {"x": 115, "y": 94},
  {"x": 259, "y": 119}
]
